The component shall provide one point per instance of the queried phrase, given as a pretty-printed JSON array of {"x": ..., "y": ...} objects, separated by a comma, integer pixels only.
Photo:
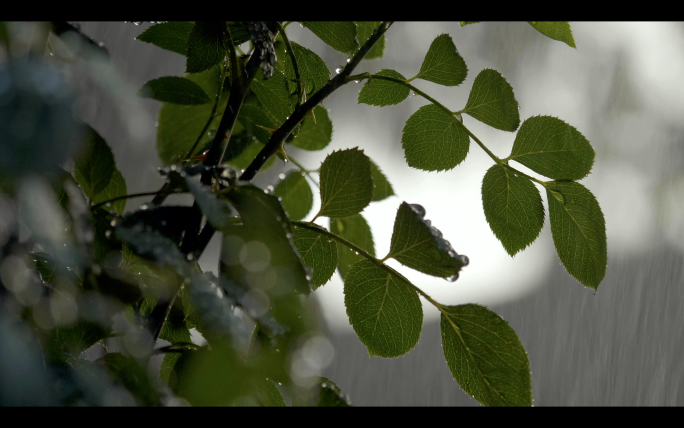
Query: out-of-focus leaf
[
  {"x": 356, "y": 230},
  {"x": 339, "y": 35},
  {"x": 176, "y": 90},
  {"x": 319, "y": 253},
  {"x": 94, "y": 167},
  {"x": 296, "y": 195},
  {"x": 365, "y": 30},
  {"x": 115, "y": 188}
]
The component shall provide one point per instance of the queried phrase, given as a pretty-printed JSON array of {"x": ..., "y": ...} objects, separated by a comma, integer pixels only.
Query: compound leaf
[
  {"x": 492, "y": 102},
  {"x": 356, "y": 230},
  {"x": 443, "y": 64},
  {"x": 205, "y": 45},
  {"x": 434, "y": 140},
  {"x": 346, "y": 183},
  {"x": 553, "y": 148},
  {"x": 485, "y": 356},
  {"x": 172, "y": 36},
  {"x": 513, "y": 208},
  {"x": 383, "y": 188},
  {"x": 94, "y": 167},
  {"x": 420, "y": 246},
  {"x": 315, "y": 135},
  {"x": 383, "y": 308},
  {"x": 579, "y": 231},
  {"x": 339, "y": 35},
  {"x": 556, "y": 30},
  {"x": 297, "y": 198},
  {"x": 380, "y": 92},
  {"x": 365, "y": 30},
  {"x": 176, "y": 90},
  {"x": 319, "y": 253}
]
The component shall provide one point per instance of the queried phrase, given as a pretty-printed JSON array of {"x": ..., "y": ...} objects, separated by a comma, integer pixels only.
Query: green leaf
[
  {"x": 356, "y": 230},
  {"x": 315, "y": 135},
  {"x": 346, "y": 183},
  {"x": 172, "y": 36},
  {"x": 268, "y": 394},
  {"x": 579, "y": 231},
  {"x": 217, "y": 211},
  {"x": 553, "y": 148},
  {"x": 485, "y": 356},
  {"x": 319, "y": 253},
  {"x": 383, "y": 308},
  {"x": 246, "y": 157},
  {"x": 312, "y": 69},
  {"x": 174, "y": 329},
  {"x": 297, "y": 196},
  {"x": 339, "y": 35},
  {"x": 115, "y": 188},
  {"x": 238, "y": 32},
  {"x": 324, "y": 393},
  {"x": 180, "y": 126},
  {"x": 492, "y": 102},
  {"x": 443, "y": 64},
  {"x": 205, "y": 46},
  {"x": 557, "y": 30},
  {"x": 274, "y": 96},
  {"x": 513, "y": 208},
  {"x": 133, "y": 376},
  {"x": 365, "y": 30},
  {"x": 379, "y": 92},
  {"x": 383, "y": 188},
  {"x": 420, "y": 246},
  {"x": 176, "y": 90},
  {"x": 434, "y": 140},
  {"x": 168, "y": 365},
  {"x": 216, "y": 319},
  {"x": 94, "y": 167},
  {"x": 256, "y": 119},
  {"x": 464, "y": 23}
]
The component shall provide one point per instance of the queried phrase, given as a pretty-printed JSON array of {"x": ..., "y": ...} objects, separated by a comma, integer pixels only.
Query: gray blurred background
[{"x": 621, "y": 88}]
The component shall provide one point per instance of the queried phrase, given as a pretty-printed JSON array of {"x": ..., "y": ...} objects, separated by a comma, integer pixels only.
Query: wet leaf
[
  {"x": 379, "y": 92},
  {"x": 238, "y": 32},
  {"x": 383, "y": 308},
  {"x": 420, "y": 246},
  {"x": 312, "y": 69},
  {"x": 579, "y": 231},
  {"x": 217, "y": 211},
  {"x": 346, "y": 183},
  {"x": 339, "y": 35},
  {"x": 115, "y": 188},
  {"x": 296, "y": 194},
  {"x": 94, "y": 166},
  {"x": 443, "y": 64},
  {"x": 383, "y": 188},
  {"x": 268, "y": 394},
  {"x": 485, "y": 356},
  {"x": 206, "y": 46},
  {"x": 134, "y": 377},
  {"x": 553, "y": 148},
  {"x": 176, "y": 90},
  {"x": 319, "y": 253},
  {"x": 324, "y": 393},
  {"x": 274, "y": 96},
  {"x": 216, "y": 317},
  {"x": 492, "y": 102},
  {"x": 365, "y": 30},
  {"x": 556, "y": 30},
  {"x": 315, "y": 135},
  {"x": 172, "y": 36},
  {"x": 434, "y": 140},
  {"x": 513, "y": 208},
  {"x": 356, "y": 230},
  {"x": 464, "y": 23}
]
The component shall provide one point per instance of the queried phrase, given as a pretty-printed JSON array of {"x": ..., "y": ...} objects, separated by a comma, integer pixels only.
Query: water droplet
[
  {"x": 428, "y": 222},
  {"x": 464, "y": 259},
  {"x": 190, "y": 257},
  {"x": 108, "y": 233},
  {"x": 356, "y": 81},
  {"x": 278, "y": 217},
  {"x": 337, "y": 70},
  {"x": 453, "y": 278},
  {"x": 270, "y": 188},
  {"x": 113, "y": 223},
  {"x": 156, "y": 124},
  {"x": 143, "y": 207},
  {"x": 281, "y": 176},
  {"x": 519, "y": 107},
  {"x": 418, "y": 209},
  {"x": 308, "y": 277},
  {"x": 348, "y": 60},
  {"x": 163, "y": 222},
  {"x": 413, "y": 94},
  {"x": 108, "y": 204},
  {"x": 459, "y": 117}
]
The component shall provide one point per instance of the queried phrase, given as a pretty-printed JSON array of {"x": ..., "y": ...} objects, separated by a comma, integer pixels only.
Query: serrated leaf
[
  {"x": 168, "y": 366},
  {"x": 379, "y": 92},
  {"x": 579, "y": 231},
  {"x": 238, "y": 32},
  {"x": 485, "y": 356},
  {"x": 443, "y": 64},
  {"x": 464, "y": 23},
  {"x": 339, "y": 35},
  {"x": 513, "y": 208},
  {"x": 312, "y": 69},
  {"x": 553, "y": 148},
  {"x": 180, "y": 125},
  {"x": 315, "y": 135},
  {"x": 274, "y": 96},
  {"x": 382, "y": 188},
  {"x": 115, "y": 188},
  {"x": 364, "y": 30},
  {"x": 176, "y": 90},
  {"x": 268, "y": 394},
  {"x": 420, "y": 246},
  {"x": 296, "y": 194},
  {"x": 434, "y": 140},
  {"x": 383, "y": 308},
  {"x": 94, "y": 166},
  {"x": 492, "y": 101},
  {"x": 172, "y": 36},
  {"x": 206, "y": 46},
  {"x": 356, "y": 230},
  {"x": 319, "y": 253},
  {"x": 346, "y": 183},
  {"x": 256, "y": 119},
  {"x": 556, "y": 30},
  {"x": 174, "y": 329}
]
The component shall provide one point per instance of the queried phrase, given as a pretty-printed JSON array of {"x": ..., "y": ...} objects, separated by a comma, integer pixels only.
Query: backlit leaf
[
  {"x": 312, "y": 69},
  {"x": 443, "y": 64},
  {"x": 464, "y": 23},
  {"x": 94, "y": 166},
  {"x": 579, "y": 231},
  {"x": 339, "y": 35},
  {"x": 205, "y": 45},
  {"x": 434, "y": 140},
  {"x": 382, "y": 188},
  {"x": 319, "y": 253},
  {"x": 346, "y": 183},
  {"x": 383, "y": 308},
  {"x": 485, "y": 356},
  {"x": 513, "y": 208},
  {"x": 553, "y": 148},
  {"x": 176, "y": 90},
  {"x": 296, "y": 194},
  {"x": 268, "y": 394},
  {"x": 379, "y": 92},
  {"x": 365, "y": 30},
  {"x": 115, "y": 188},
  {"x": 356, "y": 230},
  {"x": 274, "y": 96},
  {"x": 492, "y": 102},
  {"x": 556, "y": 30},
  {"x": 172, "y": 36},
  {"x": 315, "y": 135}
]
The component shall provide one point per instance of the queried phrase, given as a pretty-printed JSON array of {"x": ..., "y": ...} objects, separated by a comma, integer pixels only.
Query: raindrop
[
  {"x": 459, "y": 117},
  {"x": 270, "y": 188},
  {"x": 348, "y": 60},
  {"x": 288, "y": 235},
  {"x": 428, "y": 222},
  {"x": 108, "y": 233},
  {"x": 464, "y": 259},
  {"x": 113, "y": 223},
  {"x": 453, "y": 278},
  {"x": 308, "y": 277},
  {"x": 337, "y": 70},
  {"x": 356, "y": 81},
  {"x": 418, "y": 209},
  {"x": 156, "y": 124},
  {"x": 518, "y": 107},
  {"x": 163, "y": 222},
  {"x": 108, "y": 204},
  {"x": 278, "y": 217},
  {"x": 190, "y": 257},
  {"x": 413, "y": 94},
  {"x": 281, "y": 176},
  {"x": 143, "y": 207}
]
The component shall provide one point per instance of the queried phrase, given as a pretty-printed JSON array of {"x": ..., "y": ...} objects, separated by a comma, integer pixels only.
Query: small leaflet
[
  {"x": 297, "y": 198},
  {"x": 176, "y": 90},
  {"x": 556, "y": 30},
  {"x": 315, "y": 134},
  {"x": 492, "y": 101},
  {"x": 380, "y": 92},
  {"x": 339, "y": 35},
  {"x": 94, "y": 166},
  {"x": 443, "y": 64},
  {"x": 346, "y": 183},
  {"x": 319, "y": 253},
  {"x": 382, "y": 187},
  {"x": 356, "y": 230}
]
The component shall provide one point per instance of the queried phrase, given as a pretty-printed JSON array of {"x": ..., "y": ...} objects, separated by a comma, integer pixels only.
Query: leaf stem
[
  {"x": 301, "y": 93},
  {"x": 133, "y": 195}
]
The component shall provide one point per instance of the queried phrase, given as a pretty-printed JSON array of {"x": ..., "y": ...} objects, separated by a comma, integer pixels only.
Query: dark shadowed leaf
[
  {"x": 339, "y": 35},
  {"x": 94, "y": 167},
  {"x": 274, "y": 96},
  {"x": 382, "y": 187},
  {"x": 556, "y": 30},
  {"x": 443, "y": 64},
  {"x": 315, "y": 135},
  {"x": 172, "y": 36},
  {"x": 346, "y": 183},
  {"x": 176, "y": 90},
  {"x": 379, "y": 92},
  {"x": 312, "y": 69},
  {"x": 492, "y": 102},
  {"x": 485, "y": 356},
  {"x": 296, "y": 194},
  {"x": 268, "y": 394},
  {"x": 206, "y": 45},
  {"x": 319, "y": 253},
  {"x": 217, "y": 211},
  {"x": 356, "y": 230},
  {"x": 115, "y": 188},
  {"x": 365, "y": 30}
]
